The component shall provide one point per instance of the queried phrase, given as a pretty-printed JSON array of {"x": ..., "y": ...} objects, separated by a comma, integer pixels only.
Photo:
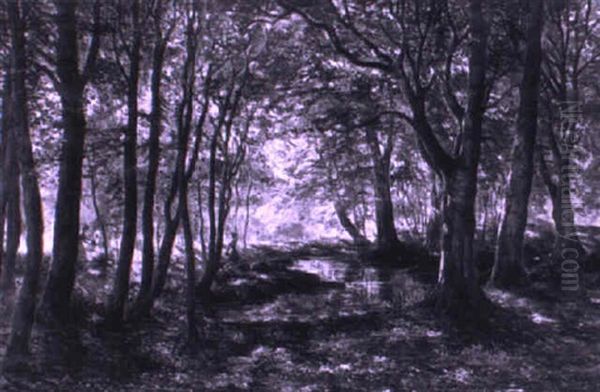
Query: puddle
[
  {"x": 367, "y": 282},
  {"x": 364, "y": 289}
]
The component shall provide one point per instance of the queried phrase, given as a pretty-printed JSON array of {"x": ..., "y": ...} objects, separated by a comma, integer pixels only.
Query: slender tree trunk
[
  {"x": 165, "y": 250},
  {"x": 22, "y": 321},
  {"x": 6, "y": 124},
  {"x": 458, "y": 291},
  {"x": 192, "y": 331},
  {"x": 13, "y": 214},
  {"x": 509, "y": 270},
  {"x": 201, "y": 235},
  {"x": 153, "y": 163},
  {"x": 212, "y": 264},
  {"x": 342, "y": 214},
  {"x": 61, "y": 277},
  {"x": 387, "y": 237},
  {"x": 182, "y": 174},
  {"x": 247, "y": 219},
  {"x": 434, "y": 223},
  {"x": 118, "y": 297},
  {"x": 99, "y": 217}
]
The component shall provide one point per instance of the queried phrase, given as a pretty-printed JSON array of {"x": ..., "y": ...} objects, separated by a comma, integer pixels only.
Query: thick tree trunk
[
  {"x": 61, "y": 277},
  {"x": 509, "y": 270},
  {"x": 22, "y": 321},
  {"x": 458, "y": 291},
  {"x": 153, "y": 162},
  {"x": 118, "y": 297}
]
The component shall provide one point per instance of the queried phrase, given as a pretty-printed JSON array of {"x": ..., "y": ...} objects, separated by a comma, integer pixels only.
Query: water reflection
[
  {"x": 366, "y": 283},
  {"x": 364, "y": 289}
]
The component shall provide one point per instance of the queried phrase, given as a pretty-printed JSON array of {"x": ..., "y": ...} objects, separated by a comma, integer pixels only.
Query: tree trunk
[
  {"x": 99, "y": 217},
  {"x": 387, "y": 237},
  {"x": 190, "y": 266},
  {"x": 164, "y": 256},
  {"x": 61, "y": 277},
  {"x": 22, "y": 320},
  {"x": 568, "y": 252},
  {"x": 13, "y": 213},
  {"x": 458, "y": 293},
  {"x": 201, "y": 235},
  {"x": 165, "y": 250},
  {"x": 6, "y": 123},
  {"x": 118, "y": 297},
  {"x": 181, "y": 174},
  {"x": 434, "y": 223},
  {"x": 153, "y": 163},
  {"x": 509, "y": 270},
  {"x": 342, "y": 214},
  {"x": 212, "y": 264}
]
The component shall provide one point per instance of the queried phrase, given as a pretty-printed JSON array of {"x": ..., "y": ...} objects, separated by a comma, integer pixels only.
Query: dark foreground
[{"x": 315, "y": 319}]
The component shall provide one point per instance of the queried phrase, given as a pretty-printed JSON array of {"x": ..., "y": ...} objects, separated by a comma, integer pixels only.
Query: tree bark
[
  {"x": 509, "y": 270},
  {"x": 387, "y": 237},
  {"x": 351, "y": 229},
  {"x": 6, "y": 123},
  {"x": 13, "y": 208},
  {"x": 190, "y": 265},
  {"x": 181, "y": 173},
  {"x": 247, "y": 215},
  {"x": 22, "y": 321},
  {"x": 458, "y": 294},
  {"x": 434, "y": 222},
  {"x": 212, "y": 264},
  {"x": 153, "y": 163},
  {"x": 118, "y": 297},
  {"x": 99, "y": 217},
  {"x": 61, "y": 277}
]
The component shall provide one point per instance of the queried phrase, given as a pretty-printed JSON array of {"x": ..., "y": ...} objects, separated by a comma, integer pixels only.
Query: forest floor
[{"x": 314, "y": 318}]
